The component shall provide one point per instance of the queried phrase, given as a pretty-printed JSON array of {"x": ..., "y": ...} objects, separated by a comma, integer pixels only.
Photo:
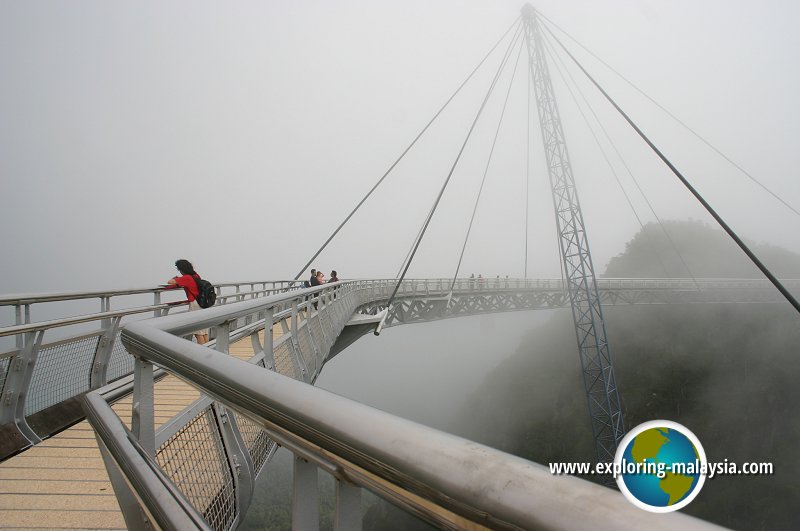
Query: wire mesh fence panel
[
  {"x": 283, "y": 360},
  {"x": 121, "y": 362},
  {"x": 196, "y": 462},
  {"x": 259, "y": 445},
  {"x": 5, "y": 363},
  {"x": 327, "y": 323},
  {"x": 306, "y": 346},
  {"x": 315, "y": 327},
  {"x": 62, "y": 371}
]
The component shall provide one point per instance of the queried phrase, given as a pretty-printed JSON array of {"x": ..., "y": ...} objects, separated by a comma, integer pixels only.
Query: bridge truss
[{"x": 578, "y": 270}]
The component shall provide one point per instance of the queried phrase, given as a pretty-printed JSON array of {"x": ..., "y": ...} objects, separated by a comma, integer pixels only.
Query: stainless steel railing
[
  {"x": 48, "y": 363},
  {"x": 451, "y": 482},
  {"x": 73, "y": 344}
]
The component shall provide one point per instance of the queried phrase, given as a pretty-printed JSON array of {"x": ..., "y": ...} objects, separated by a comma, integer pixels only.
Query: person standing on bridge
[
  {"x": 317, "y": 279},
  {"x": 334, "y": 278},
  {"x": 188, "y": 282}
]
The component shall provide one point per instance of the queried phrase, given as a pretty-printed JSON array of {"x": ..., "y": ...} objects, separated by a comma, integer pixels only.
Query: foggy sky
[{"x": 239, "y": 135}]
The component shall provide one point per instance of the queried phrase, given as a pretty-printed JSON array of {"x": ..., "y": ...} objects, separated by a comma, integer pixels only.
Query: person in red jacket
[{"x": 189, "y": 284}]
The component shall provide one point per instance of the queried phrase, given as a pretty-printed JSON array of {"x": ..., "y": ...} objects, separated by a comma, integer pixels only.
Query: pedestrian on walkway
[{"x": 188, "y": 281}]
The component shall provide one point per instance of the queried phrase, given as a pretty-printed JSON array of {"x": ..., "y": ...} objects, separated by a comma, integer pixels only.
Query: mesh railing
[
  {"x": 5, "y": 363},
  {"x": 62, "y": 371},
  {"x": 259, "y": 445},
  {"x": 194, "y": 456},
  {"x": 120, "y": 363},
  {"x": 210, "y": 487},
  {"x": 283, "y": 360},
  {"x": 74, "y": 359},
  {"x": 328, "y": 323},
  {"x": 316, "y": 333},
  {"x": 306, "y": 347}
]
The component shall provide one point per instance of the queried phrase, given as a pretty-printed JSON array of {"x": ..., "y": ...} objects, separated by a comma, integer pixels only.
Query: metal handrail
[
  {"x": 35, "y": 298},
  {"x": 101, "y": 350},
  {"x": 86, "y": 344},
  {"x": 57, "y": 323},
  {"x": 446, "y": 479},
  {"x": 164, "y": 504},
  {"x": 492, "y": 283}
]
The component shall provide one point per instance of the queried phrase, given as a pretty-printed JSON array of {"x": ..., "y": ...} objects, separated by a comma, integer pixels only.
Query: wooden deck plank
[
  {"x": 22, "y": 486},
  {"x": 58, "y": 519},
  {"x": 62, "y": 483},
  {"x": 40, "y": 451},
  {"x": 53, "y": 474},
  {"x": 68, "y": 442},
  {"x": 64, "y": 502}
]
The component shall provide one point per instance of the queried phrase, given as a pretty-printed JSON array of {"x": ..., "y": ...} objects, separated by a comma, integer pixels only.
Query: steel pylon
[{"x": 578, "y": 271}]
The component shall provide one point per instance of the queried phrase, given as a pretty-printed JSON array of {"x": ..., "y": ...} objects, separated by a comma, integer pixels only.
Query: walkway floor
[{"x": 62, "y": 482}]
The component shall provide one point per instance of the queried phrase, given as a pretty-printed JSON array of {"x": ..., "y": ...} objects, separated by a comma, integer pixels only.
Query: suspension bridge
[{"x": 115, "y": 419}]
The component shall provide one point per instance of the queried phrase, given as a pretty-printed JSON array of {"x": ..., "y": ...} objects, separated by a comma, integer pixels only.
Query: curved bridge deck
[{"x": 62, "y": 483}]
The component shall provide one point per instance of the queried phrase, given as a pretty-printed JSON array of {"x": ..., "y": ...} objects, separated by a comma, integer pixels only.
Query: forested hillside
[
  {"x": 728, "y": 372},
  {"x": 692, "y": 248}
]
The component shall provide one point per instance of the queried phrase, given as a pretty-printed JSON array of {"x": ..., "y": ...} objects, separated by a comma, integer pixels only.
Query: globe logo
[{"x": 661, "y": 466}]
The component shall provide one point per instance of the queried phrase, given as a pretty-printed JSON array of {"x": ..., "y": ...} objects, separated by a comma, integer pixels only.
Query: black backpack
[{"x": 207, "y": 296}]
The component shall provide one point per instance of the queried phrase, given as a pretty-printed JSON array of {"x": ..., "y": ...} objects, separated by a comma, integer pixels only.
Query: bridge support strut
[{"x": 598, "y": 370}]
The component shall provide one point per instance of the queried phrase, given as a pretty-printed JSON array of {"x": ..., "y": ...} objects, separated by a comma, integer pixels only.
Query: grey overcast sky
[{"x": 237, "y": 135}]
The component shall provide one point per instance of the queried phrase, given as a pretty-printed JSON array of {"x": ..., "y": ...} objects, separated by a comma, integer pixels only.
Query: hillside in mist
[
  {"x": 727, "y": 372},
  {"x": 681, "y": 249}
]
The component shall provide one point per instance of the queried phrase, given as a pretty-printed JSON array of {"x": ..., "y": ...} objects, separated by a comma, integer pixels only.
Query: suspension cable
[
  {"x": 558, "y": 61},
  {"x": 452, "y": 169},
  {"x": 665, "y": 110},
  {"x": 422, "y": 228},
  {"x": 527, "y": 174},
  {"x": 486, "y": 169},
  {"x": 410, "y": 249},
  {"x": 775, "y": 282},
  {"x": 403, "y": 154}
]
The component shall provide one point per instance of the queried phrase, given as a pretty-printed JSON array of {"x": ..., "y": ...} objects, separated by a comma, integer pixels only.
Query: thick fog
[
  {"x": 238, "y": 136},
  {"x": 426, "y": 371}
]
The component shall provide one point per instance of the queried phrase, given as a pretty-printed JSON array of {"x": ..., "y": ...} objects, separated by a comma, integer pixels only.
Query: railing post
[
  {"x": 19, "y": 320},
  {"x": 105, "y": 306},
  {"x": 305, "y": 502},
  {"x": 348, "y": 507},
  {"x": 295, "y": 341},
  {"x": 143, "y": 412},
  {"x": 269, "y": 340},
  {"x": 157, "y": 302},
  {"x": 105, "y": 347},
  {"x": 238, "y": 458},
  {"x": 135, "y": 517},
  {"x": 222, "y": 333},
  {"x": 17, "y": 386}
]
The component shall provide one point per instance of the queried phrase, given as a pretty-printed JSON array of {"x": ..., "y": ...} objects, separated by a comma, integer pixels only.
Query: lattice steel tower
[{"x": 596, "y": 361}]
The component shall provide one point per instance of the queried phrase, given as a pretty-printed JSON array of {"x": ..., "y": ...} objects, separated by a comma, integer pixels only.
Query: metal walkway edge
[{"x": 62, "y": 482}]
